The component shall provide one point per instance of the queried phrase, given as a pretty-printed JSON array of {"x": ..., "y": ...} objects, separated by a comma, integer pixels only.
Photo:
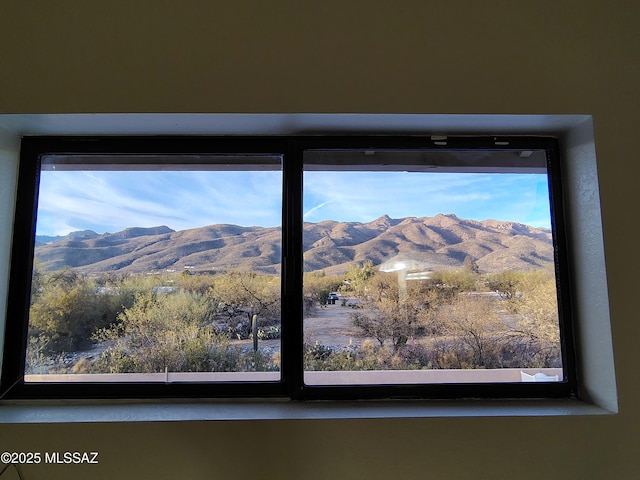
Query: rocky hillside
[{"x": 440, "y": 241}]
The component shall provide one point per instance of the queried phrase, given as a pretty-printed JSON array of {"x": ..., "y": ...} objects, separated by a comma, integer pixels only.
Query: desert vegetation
[
  {"x": 185, "y": 322},
  {"x": 456, "y": 319},
  {"x": 152, "y": 323}
]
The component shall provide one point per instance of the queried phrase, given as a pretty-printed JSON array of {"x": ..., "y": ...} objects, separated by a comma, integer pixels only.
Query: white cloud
[
  {"x": 111, "y": 201},
  {"x": 364, "y": 196},
  {"x": 313, "y": 210}
]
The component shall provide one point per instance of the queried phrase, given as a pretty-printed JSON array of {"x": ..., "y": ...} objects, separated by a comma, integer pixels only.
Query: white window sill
[{"x": 269, "y": 409}]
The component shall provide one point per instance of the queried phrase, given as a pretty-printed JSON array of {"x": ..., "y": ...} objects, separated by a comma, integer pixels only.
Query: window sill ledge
[{"x": 235, "y": 409}]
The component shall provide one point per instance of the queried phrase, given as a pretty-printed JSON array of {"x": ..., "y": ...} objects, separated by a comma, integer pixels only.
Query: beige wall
[{"x": 372, "y": 57}]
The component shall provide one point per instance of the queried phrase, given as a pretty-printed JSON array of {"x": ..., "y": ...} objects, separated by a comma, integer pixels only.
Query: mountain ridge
[{"x": 442, "y": 241}]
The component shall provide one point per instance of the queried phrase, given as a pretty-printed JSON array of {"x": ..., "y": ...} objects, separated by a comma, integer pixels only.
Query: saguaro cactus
[{"x": 254, "y": 332}]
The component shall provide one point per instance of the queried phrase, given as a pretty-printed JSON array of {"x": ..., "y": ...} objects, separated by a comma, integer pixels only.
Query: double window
[{"x": 305, "y": 267}]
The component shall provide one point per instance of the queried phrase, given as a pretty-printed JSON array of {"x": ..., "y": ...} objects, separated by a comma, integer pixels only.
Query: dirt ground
[{"x": 330, "y": 325}]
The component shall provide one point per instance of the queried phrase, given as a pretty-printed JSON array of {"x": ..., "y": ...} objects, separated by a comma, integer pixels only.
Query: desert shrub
[
  {"x": 317, "y": 286},
  {"x": 41, "y": 360},
  {"x": 449, "y": 353},
  {"x": 505, "y": 283},
  {"x": 451, "y": 282},
  {"x": 269, "y": 333},
  {"x": 318, "y": 357},
  {"x": 315, "y": 352},
  {"x": 194, "y": 282},
  {"x": 386, "y": 314},
  {"x": 258, "y": 361},
  {"x": 417, "y": 356},
  {"x": 135, "y": 285},
  {"x": 358, "y": 277},
  {"x": 67, "y": 308},
  {"x": 452, "y": 353},
  {"x": 115, "y": 360},
  {"x": 474, "y": 322},
  {"x": 168, "y": 331},
  {"x": 368, "y": 356},
  {"x": 537, "y": 330}
]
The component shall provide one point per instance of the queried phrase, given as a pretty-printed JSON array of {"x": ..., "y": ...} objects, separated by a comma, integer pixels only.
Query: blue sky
[
  {"x": 108, "y": 201},
  {"x": 364, "y": 196}
]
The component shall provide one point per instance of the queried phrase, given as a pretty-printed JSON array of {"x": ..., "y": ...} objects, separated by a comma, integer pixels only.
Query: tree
[
  {"x": 505, "y": 283},
  {"x": 238, "y": 296},
  {"x": 384, "y": 315},
  {"x": 538, "y": 325},
  {"x": 473, "y": 321},
  {"x": 358, "y": 275},
  {"x": 454, "y": 281},
  {"x": 247, "y": 294},
  {"x": 317, "y": 287}
]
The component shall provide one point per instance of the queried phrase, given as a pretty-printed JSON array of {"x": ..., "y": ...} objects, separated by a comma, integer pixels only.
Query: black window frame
[{"x": 291, "y": 385}]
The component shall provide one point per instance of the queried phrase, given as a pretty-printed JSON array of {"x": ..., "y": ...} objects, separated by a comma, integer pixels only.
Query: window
[{"x": 309, "y": 267}]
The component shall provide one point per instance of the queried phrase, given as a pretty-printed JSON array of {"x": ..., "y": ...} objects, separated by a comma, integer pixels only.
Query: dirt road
[{"x": 330, "y": 325}]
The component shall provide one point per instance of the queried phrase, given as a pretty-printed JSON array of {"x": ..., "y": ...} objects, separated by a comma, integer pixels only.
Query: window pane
[
  {"x": 428, "y": 267},
  {"x": 157, "y": 269}
]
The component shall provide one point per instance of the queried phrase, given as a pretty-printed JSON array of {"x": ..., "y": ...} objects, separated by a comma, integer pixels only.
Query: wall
[{"x": 360, "y": 56}]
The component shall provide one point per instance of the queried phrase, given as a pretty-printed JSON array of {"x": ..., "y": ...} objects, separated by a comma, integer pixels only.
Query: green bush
[
  {"x": 67, "y": 308},
  {"x": 165, "y": 331}
]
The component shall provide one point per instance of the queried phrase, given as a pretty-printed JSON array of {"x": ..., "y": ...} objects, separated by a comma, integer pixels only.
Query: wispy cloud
[
  {"x": 313, "y": 210},
  {"x": 111, "y": 201},
  {"x": 364, "y": 196}
]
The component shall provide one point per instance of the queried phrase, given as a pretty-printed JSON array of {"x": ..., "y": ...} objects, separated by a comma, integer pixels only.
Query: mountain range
[{"x": 443, "y": 241}]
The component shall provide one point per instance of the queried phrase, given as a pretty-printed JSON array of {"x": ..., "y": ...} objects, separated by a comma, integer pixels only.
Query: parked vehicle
[{"x": 332, "y": 298}]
